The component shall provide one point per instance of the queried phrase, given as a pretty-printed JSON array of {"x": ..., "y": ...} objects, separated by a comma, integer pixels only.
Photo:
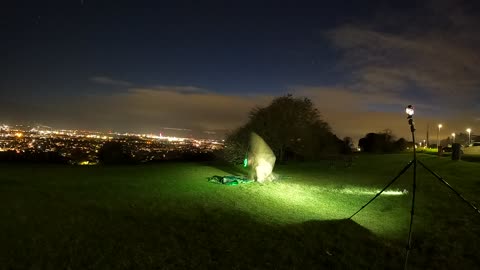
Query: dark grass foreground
[
  {"x": 200, "y": 241},
  {"x": 168, "y": 217}
]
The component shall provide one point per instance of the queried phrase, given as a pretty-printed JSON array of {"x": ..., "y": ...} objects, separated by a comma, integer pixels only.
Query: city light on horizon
[{"x": 24, "y": 140}]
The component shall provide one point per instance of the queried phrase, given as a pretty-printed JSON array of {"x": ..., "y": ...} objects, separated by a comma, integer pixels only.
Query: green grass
[
  {"x": 167, "y": 216},
  {"x": 466, "y": 156}
]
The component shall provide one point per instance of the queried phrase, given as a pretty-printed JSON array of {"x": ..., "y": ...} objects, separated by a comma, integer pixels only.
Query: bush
[
  {"x": 114, "y": 153},
  {"x": 292, "y": 127}
]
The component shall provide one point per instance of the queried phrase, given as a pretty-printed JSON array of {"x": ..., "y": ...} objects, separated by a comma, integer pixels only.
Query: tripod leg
[
  {"x": 450, "y": 187},
  {"x": 391, "y": 182},
  {"x": 412, "y": 211}
]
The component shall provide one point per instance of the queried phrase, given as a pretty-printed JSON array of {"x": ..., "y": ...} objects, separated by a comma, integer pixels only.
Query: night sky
[{"x": 201, "y": 66}]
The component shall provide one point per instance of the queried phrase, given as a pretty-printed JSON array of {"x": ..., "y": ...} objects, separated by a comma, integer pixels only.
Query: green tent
[{"x": 229, "y": 180}]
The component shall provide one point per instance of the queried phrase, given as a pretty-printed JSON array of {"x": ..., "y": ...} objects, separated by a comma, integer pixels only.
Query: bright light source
[
  {"x": 469, "y": 130},
  {"x": 409, "y": 110},
  {"x": 438, "y": 134},
  {"x": 263, "y": 169}
]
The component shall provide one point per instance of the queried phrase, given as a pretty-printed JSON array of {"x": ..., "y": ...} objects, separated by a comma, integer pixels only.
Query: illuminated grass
[
  {"x": 290, "y": 202},
  {"x": 169, "y": 216}
]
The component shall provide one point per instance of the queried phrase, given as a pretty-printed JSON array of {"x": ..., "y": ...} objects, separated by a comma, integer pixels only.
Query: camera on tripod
[{"x": 410, "y": 111}]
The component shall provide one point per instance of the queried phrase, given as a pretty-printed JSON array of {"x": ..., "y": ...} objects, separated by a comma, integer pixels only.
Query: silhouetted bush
[
  {"x": 292, "y": 127},
  {"x": 382, "y": 143},
  {"x": 32, "y": 157},
  {"x": 115, "y": 153}
]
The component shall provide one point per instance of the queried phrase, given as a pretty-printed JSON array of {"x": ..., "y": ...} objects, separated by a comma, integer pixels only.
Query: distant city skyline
[
  {"x": 213, "y": 135},
  {"x": 142, "y": 65},
  {"x": 163, "y": 131},
  {"x": 83, "y": 147}
]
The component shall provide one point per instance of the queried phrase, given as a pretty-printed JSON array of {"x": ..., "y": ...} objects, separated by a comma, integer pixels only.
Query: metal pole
[
  {"x": 412, "y": 211},
  {"x": 450, "y": 187},
  {"x": 391, "y": 182}
]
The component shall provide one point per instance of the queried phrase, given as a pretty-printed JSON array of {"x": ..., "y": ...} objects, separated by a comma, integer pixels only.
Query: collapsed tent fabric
[
  {"x": 229, "y": 180},
  {"x": 261, "y": 159}
]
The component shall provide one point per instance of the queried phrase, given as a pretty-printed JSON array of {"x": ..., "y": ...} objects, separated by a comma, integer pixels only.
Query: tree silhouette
[
  {"x": 383, "y": 142},
  {"x": 291, "y": 126},
  {"x": 114, "y": 153}
]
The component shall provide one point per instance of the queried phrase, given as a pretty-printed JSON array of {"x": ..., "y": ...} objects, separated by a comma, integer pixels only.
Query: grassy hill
[{"x": 167, "y": 216}]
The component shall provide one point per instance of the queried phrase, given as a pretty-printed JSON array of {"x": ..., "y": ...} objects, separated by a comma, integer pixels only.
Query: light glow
[
  {"x": 263, "y": 169},
  {"x": 409, "y": 110}
]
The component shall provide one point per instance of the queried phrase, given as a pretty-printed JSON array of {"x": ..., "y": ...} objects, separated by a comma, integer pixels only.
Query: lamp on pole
[
  {"x": 469, "y": 130},
  {"x": 453, "y": 137},
  {"x": 438, "y": 133}
]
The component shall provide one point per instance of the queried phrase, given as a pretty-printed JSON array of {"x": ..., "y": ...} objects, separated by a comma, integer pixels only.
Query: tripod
[{"x": 409, "y": 110}]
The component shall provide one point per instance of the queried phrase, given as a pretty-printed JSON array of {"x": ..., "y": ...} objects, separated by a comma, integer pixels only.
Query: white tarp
[{"x": 261, "y": 159}]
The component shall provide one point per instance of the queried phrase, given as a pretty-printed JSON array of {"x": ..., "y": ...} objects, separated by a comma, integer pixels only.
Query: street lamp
[
  {"x": 438, "y": 133},
  {"x": 469, "y": 130},
  {"x": 453, "y": 137}
]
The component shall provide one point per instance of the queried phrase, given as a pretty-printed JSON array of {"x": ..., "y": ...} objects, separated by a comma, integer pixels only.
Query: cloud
[
  {"x": 353, "y": 113},
  {"x": 171, "y": 110},
  {"x": 109, "y": 81},
  {"x": 440, "y": 65},
  {"x": 349, "y": 99},
  {"x": 181, "y": 89},
  {"x": 165, "y": 88},
  {"x": 431, "y": 62},
  {"x": 203, "y": 109}
]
